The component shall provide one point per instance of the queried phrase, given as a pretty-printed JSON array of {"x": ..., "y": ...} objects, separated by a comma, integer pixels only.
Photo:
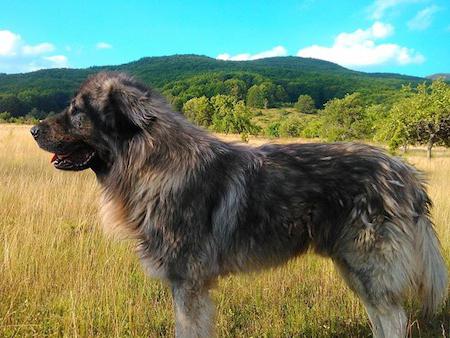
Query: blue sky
[{"x": 402, "y": 36}]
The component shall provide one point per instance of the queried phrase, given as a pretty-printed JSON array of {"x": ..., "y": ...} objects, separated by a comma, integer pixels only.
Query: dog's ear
[{"x": 127, "y": 101}]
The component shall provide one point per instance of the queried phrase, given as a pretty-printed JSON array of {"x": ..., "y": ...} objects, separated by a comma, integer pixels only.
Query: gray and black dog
[{"x": 201, "y": 208}]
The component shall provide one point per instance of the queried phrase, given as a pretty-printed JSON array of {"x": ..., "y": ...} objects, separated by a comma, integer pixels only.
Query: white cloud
[
  {"x": 8, "y": 43},
  {"x": 378, "y": 9},
  {"x": 423, "y": 18},
  {"x": 54, "y": 61},
  {"x": 359, "y": 49},
  {"x": 276, "y": 51},
  {"x": 16, "y": 56},
  {"x": 103, "y": 45},
  {"x": 59, "y": 61},
  {"x": 38, "y": 49}
]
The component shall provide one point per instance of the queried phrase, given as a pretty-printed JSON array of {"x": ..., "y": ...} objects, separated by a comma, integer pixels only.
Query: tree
[
  {"x": 344, "y": 119},
  {"x": 5, "y": 117},
  {"x": 305, "y": 104},
  {"x": 421, "y": 117},
  {"x": 265, "y": 95},
  {"x": 236, "y": 88},
  {"x": 242, "y": 120},
  {"x": 433, "y": 121},
  {"x": 231, "y": 116},
  {"x": 291, "y": 127},
  {"x": 256, "y": 97},
  {"x": 199, "y": 110},
  {"x": 36, "y": 114},
  {"x": 12, "y": 104},
  {"x": 269, "y": 93},
  {"x": 223, "y": 106},
  {"x": 395, "y": 129},
  {"x": 280, "y": 94}
]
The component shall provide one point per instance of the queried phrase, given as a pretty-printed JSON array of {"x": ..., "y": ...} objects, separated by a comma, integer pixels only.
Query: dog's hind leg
[
  {"x": 388, "y": 318},
  {"x": 387, "y": 321},
  {"x": 378, "y": 260},
  {"x": 386, "y": 315},
  {"x": 194, "y": 311}
]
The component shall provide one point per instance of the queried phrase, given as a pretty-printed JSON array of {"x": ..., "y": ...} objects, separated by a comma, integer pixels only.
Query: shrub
[
  {"x": 273, "y": 130},
  {"x": 5, "y": 117},
  {"x": 291, "y": 127},
  {"x": 305, "y": 104},
  {"x": 312, "y": 128}
]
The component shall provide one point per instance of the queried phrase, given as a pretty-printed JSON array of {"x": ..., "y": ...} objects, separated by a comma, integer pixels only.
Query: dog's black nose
[{"x": 34, "y": 131}]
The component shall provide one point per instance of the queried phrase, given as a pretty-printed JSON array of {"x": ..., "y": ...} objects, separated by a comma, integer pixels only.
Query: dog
[{"x": 200, "y": 208}]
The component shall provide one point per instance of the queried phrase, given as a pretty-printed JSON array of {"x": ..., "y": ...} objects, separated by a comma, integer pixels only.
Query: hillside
[
  {"x": 445, "y": 76},
  {"x": 181, "y": 77}
]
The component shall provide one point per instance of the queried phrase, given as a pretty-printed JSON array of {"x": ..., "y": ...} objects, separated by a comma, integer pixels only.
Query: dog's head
[{"x": 102, "y": 117}]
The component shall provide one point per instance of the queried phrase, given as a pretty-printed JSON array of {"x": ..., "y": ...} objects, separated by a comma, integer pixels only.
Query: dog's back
[{"x": 366, "y": 210}]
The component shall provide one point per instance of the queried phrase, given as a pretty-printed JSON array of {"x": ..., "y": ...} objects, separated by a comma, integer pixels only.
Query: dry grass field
[{"x": 60, "y": 277}]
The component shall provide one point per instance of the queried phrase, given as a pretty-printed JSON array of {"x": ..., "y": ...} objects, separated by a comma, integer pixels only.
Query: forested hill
[
  {"x": 445, "y": 76},
  {"x": 181, "y": 77}
]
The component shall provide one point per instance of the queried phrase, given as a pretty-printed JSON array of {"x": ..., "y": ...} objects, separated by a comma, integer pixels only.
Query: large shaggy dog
[{"x": 200, "y": 208}]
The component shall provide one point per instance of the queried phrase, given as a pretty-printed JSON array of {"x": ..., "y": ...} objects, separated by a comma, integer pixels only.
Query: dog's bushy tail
[{"x": 433, "y": 276}]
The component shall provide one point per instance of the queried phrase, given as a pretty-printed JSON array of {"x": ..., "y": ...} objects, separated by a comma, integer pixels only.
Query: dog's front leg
[{"x": 194, "y": 310}]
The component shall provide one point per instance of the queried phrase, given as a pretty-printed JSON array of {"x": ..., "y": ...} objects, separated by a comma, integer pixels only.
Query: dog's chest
[{"x": 115, "y": 219}]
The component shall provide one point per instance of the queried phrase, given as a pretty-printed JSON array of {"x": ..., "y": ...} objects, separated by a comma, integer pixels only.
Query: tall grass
[{"x": 59, "y": 276}]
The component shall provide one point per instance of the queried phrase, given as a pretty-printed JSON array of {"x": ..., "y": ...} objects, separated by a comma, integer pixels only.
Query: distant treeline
[
  {"x": 266, "y": 83},
  {"x": 33, "y": 101},
  {"x": 416, "y": 116}
]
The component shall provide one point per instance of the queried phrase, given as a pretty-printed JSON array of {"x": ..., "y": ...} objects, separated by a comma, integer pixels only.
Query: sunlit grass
[{"x": 59, "y": 276}]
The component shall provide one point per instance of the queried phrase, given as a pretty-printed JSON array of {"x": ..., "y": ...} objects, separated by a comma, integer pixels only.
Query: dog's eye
[{"x": 77, "y": 119}]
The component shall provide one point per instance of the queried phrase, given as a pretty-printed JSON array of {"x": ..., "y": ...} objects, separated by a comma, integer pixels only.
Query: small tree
[
  {"x": 375, "y": 116},
  {"x": 256, "y": 97},
  {"x": 265, "y": 95},
  {"x": 236, "y": 88},
  {"x": 344, "y": 119},
  {"x": 223, "y": 106},
  {"x": 232, "y": 116},
  {"x": 199, "y": 110},
  {"x": 291, "y": 127},
  {"x": 5, "y": 117},
  {"x": 421, "y": 117},
  {"x": 36, "y": 114},
  {"x": 305, "y": 104},
  {"x": 242, "y": 123},
  {"x": 432, "y": 123},
  {"x": 280, "y": 94}
]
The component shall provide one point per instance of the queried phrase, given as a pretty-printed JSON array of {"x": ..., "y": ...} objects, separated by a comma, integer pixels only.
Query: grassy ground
[{"x": 59, "y": 276}]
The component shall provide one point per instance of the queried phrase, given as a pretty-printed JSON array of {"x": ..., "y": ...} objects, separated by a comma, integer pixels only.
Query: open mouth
[{"x": 77, "y": 160}]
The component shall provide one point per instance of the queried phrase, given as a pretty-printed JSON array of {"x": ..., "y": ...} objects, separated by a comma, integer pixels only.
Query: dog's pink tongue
[{"x": 53, "y": 158}]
